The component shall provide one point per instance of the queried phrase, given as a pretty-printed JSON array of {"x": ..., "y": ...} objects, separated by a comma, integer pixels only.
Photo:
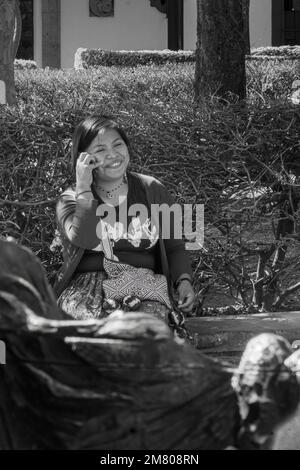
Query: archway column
[
  {"x": 174, "y": 11},
  {"x": 51, "y": 33},
  {"x": 175, "y": 24}
]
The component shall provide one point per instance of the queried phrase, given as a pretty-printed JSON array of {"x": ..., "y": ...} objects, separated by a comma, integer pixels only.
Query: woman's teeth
[{"x": 115, "y": 164}]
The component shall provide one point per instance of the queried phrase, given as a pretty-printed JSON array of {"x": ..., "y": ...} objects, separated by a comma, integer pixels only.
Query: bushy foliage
[
  {"x": 287, "y": 52},
  {"x": 240, "y": 161},
  {"x": 271, "y": 72},
  {"x": 36, "y": 135},
  {"x": 91, "y": 58},
  {"x": 270, "y": 80},
  {"x": 87, "y": 58},
  {"x": 21, "y": 64}
]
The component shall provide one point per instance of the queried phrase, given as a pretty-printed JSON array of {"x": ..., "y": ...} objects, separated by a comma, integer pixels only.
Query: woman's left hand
[{"x": 186, "y": 296}]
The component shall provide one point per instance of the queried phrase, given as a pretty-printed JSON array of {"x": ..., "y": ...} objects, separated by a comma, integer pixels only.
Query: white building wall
[
  {"x": 135, "y": 26},
  {"x": 37, "y": 31},
  {"x": 260, "y": 22},
  {"x": 189, "y": 24}
]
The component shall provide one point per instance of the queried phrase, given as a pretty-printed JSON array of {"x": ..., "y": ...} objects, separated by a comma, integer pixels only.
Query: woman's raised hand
[{"x": 86, "y": 163}]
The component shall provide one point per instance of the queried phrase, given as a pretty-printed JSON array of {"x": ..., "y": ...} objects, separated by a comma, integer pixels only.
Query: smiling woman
[{"x": 115, "y": 255}]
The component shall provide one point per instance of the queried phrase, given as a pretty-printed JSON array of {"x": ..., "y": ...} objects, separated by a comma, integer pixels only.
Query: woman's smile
[{"x": 115, "y": 164}]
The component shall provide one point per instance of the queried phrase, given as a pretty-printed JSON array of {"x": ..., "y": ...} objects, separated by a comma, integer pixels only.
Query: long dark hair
[{"x": 86, "y": 131}]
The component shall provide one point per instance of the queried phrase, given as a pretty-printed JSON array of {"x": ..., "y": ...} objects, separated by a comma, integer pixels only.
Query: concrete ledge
[{"x": 226, "y": 336}]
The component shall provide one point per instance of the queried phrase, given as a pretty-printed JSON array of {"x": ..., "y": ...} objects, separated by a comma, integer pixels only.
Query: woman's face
[{"x": 109, "y": 148}]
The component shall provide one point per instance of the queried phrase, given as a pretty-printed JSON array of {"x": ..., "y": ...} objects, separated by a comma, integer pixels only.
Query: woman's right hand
[{"x": 86, "y": 163}]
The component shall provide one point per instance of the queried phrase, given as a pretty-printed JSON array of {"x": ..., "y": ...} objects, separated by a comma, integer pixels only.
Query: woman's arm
[
  {"x": 171, "y": 229},
  {"x": 77, "y": 220},
  {"x": 76, "y": 212},
  {"x": 178, "y": 259}
]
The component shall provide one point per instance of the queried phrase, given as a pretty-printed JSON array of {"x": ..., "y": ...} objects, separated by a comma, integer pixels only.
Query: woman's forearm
[
  {"x": 77, "y": 220},
  {"x": 179, "y": 264}
]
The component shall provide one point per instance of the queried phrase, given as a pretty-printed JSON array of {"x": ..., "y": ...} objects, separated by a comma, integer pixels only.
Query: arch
[{"x": 161, "y": 5}]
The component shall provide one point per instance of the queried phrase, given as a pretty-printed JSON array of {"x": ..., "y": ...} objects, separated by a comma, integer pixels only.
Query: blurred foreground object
[{"x": 124, "y": 382}]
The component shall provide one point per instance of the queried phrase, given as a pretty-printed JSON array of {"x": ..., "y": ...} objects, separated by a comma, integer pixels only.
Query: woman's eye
[{"x": 118, "y": 144}]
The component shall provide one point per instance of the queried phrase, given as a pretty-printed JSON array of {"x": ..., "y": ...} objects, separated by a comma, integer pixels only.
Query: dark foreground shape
[{"x": 124, "y": 382}]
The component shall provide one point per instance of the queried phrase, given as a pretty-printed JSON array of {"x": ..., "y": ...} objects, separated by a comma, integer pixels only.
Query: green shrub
[
  {"x": 271, "y": 72},
  {"x": 284, "y": 52},
  {"x": 21, "y": 64},
  {"x": 271, "y": 80},
  {"x": 36, "y": 134},
  {"x": 86, "y": 58}
]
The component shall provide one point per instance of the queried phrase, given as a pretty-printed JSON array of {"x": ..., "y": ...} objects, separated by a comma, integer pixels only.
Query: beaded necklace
[{"x": 109, "y": 193}]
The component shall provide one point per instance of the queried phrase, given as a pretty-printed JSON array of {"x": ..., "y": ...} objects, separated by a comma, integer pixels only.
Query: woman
[{"x": 109, "y": 248}]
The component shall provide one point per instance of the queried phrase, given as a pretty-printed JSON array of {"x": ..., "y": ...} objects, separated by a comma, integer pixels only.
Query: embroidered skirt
[{"x": 83, "y": 298}]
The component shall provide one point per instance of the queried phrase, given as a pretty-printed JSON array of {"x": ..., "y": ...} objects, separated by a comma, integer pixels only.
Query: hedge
[
  {"x": 21, "y": 64},
  {"x": 86, "y": 58},
  {"x": 287, "y": 52}
]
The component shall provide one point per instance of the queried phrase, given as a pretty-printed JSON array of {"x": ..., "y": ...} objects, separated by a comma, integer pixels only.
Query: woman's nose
[{"x": 112, "y": 153}]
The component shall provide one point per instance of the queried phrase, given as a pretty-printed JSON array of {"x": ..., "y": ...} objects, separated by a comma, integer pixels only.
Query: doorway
[
  {"x": 25, "y": 50},
  {"x": 291, "y": 22}
]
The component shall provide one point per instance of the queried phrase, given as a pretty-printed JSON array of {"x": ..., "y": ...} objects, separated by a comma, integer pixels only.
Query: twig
[{"x": 50, "y": 202}]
